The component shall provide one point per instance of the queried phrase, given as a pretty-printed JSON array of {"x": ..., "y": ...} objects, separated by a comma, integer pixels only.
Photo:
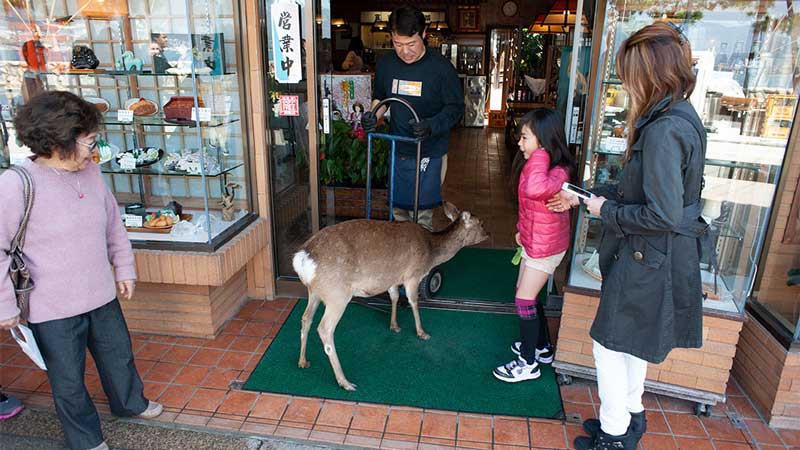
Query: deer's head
[{"x": 468, "y": 227}]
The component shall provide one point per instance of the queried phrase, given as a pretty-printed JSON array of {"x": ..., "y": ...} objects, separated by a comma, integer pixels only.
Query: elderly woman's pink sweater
[{"x": 71, "y": 245}]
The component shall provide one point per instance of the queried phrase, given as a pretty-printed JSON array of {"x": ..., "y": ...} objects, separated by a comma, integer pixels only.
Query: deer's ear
[
  {"x": 450, "y": 210},
  {"x": 466, "y": 217}
]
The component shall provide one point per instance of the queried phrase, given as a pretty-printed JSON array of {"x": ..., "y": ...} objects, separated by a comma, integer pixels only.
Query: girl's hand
[
  {"x": 516, "y": 238},
  {"x": 9, "y": 323},
  {"x": 126, "y": 288},
  {"x": 594, "y": 205},
  {"x": 562, "y": 201}
]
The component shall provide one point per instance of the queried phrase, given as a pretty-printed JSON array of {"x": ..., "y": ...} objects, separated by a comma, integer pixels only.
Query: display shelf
[
  {"x": 158, "y": 169},
  {"x": 197, "y": 66},
  {"x": 158, "y": 121},
  {"x": 115, "y": 73}
]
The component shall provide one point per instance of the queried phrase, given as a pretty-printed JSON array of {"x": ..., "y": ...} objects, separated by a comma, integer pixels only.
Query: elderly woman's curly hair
[{"x": 52, "y": 121}]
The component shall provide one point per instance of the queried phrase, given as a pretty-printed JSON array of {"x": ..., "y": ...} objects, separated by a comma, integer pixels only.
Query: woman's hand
[
  {"x": 126, "y": 288},
  {"x": 516, "y": 238},
  {"x": 9, "y": 323},
  {"x": 594, "y": 205},
  {"x": 562, "y": 201}
]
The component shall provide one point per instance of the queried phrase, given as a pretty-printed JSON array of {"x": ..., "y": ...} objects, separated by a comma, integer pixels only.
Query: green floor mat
[
  {"x": 480, "y": 274},
  {"x": 451, "y": 371}
]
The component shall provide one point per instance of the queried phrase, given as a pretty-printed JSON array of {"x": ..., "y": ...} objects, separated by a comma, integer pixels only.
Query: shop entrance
[{"x": 511, "y": 57}]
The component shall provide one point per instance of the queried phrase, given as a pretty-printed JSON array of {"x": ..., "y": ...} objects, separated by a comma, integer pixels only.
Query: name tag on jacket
[{"x": 409, "y": 88}]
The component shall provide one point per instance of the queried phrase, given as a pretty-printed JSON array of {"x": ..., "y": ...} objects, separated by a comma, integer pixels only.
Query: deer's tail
[{"x": 305, "y": 266}]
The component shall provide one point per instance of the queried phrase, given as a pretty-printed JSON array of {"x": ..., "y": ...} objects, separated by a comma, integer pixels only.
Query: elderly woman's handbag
[{"x": 18, "y": 271}]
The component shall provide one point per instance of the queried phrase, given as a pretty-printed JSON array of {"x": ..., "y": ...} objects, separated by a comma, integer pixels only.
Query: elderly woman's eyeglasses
[{"x": 92, "y": 146}]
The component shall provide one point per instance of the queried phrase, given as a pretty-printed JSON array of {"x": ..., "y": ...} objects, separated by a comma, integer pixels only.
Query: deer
[{"x": 368, "y": 257}]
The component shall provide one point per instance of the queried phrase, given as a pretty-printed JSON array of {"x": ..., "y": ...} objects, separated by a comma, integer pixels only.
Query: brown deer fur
[{"x": 367, "y": 257}]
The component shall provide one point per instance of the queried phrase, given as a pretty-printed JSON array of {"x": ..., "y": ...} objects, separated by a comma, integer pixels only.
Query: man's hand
[
  {"x": 421, "y": 129},
  {"x": 126, "y": 288},
  {"x": 9, "y": 323},
  {"x": 369, "y": 121}
]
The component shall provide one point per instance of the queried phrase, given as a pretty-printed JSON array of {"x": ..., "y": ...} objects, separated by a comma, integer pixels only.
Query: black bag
[
  {"x": 18, "y": 271},
  {"x": 84, "y": 58}
]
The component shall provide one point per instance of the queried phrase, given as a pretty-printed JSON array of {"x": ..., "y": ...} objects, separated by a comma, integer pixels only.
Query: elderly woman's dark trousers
[{"x": 63, "y": 344}]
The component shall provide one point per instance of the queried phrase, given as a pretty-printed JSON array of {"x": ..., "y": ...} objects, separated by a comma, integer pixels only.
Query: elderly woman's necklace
[{"x": 79, "y": 191}]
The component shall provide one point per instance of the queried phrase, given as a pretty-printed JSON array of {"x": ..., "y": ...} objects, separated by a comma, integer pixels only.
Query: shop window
[
  {"x": 744, "y": 55},
  {"x": 167, "y": 79}
]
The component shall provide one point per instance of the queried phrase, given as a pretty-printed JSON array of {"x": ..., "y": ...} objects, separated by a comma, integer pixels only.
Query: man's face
[
  {"x": 162, "y": 40},
  {"x": 409, "y": 48}
]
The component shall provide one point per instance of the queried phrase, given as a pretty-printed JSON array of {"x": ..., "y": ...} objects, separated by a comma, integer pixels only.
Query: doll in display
[{"x": 355, "y": 116}]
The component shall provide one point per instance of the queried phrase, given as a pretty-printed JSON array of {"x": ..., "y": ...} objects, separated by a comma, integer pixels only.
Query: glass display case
[
  {"x": 744, "y": 55},
  {"x": 165, "y": 76}
]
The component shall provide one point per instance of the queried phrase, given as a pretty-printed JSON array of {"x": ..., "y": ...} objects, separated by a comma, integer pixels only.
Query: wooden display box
[
  {"x": 350, "y": 202},
  {"x": 694, "y": 374},
  {"x": 193, "y": 294}
]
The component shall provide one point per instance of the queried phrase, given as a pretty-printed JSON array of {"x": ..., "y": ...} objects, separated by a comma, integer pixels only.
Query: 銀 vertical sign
[{"x": 286, "y": 43}]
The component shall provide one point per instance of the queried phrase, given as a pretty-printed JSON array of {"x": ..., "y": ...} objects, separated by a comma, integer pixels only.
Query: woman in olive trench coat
[{"x": 651, "y": 296}]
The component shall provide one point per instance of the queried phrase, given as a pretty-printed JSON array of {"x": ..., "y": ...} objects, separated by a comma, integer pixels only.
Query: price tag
[
  {"x": 205, "y": 114},
  {"x": 616, "y": 145},
  {"x": 125, "y": 115},
  {"x": 133, "y": 221}
]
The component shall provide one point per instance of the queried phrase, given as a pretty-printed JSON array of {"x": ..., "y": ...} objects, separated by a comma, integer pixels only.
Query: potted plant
[{"x": 343, "y": 170}]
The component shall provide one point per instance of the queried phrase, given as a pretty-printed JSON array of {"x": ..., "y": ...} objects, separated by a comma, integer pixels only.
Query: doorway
[{"x": 508, "y": 65}]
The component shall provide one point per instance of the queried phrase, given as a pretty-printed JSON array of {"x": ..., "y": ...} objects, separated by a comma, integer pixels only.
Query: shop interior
[
  {"x": 510, "y": 56},
  {"x": 513, "y": 56}
]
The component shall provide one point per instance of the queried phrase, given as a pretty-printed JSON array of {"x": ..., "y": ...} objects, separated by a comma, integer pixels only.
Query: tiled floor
[
  {"x": 192, "y": 377},
  {"x": 478, "y": 173}
]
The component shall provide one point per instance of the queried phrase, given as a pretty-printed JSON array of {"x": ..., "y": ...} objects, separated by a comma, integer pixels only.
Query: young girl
[{"x": 544, "y": 164}]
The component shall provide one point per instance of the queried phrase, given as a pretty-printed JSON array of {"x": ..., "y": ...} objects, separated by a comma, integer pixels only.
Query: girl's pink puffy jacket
[{"x": 542, "y": 232}]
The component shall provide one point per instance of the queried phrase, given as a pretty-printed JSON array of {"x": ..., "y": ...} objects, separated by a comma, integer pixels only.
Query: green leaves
[{"x": 345, "y": 157}]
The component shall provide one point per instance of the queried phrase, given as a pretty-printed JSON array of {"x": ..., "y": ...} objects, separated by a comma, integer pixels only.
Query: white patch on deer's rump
[{"x": 305, "y": 267}]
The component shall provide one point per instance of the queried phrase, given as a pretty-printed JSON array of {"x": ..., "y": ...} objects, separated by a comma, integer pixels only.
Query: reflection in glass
[{"x": 746, "y": 58}]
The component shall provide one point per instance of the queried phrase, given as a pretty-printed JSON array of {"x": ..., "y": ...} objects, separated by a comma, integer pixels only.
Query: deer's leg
[
  {"x": 394, "y": 294},
  {"x": 412, "y": 291},
  {"x": 308, "y": 317},
  {"x": 334, "y": 308}
]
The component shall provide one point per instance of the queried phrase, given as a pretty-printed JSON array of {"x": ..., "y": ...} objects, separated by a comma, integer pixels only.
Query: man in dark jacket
[{"x": 428, "y": 82}]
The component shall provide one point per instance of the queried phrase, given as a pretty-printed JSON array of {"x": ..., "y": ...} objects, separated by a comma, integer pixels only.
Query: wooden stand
[
  {"x": 193, "y": 294},
  {"x": 699, "y": 375}
]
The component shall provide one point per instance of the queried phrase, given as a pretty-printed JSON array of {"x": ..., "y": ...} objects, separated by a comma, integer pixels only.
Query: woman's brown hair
[
  {"x": 51, "y": 122},
  {"x": 654, "y": 63}
]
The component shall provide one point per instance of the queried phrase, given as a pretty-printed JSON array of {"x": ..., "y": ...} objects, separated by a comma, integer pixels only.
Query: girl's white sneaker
[{"x": 517, "y": 370}]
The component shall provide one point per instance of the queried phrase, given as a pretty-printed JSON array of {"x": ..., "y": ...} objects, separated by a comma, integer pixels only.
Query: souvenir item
[
  {"x": 144, "y": 156},
  {"x": 179, "y": 109},
  {"x": 84, "y": 58},
  {"x": 141, "y": 107},
  {"x": 188, "y": 161},
  {"x": 33, "y": 52},
  {"x": 129, "y": 62},
  {"x": 101, "y": 104}
]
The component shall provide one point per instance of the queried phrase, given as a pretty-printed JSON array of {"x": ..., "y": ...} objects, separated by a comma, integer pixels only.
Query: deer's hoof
[
  {"x": 347, "y": 386},
  {"x": 395, "y": 328},
  {"x": 303, "y": 364},
  {"x": 424, "y": 336}
]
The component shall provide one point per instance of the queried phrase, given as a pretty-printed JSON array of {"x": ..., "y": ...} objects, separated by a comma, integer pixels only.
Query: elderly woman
[{"x": 74, "y": 237}]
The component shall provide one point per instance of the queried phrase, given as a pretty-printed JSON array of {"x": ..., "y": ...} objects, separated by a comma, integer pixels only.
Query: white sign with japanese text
[{"x": 286, "y": 43}]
